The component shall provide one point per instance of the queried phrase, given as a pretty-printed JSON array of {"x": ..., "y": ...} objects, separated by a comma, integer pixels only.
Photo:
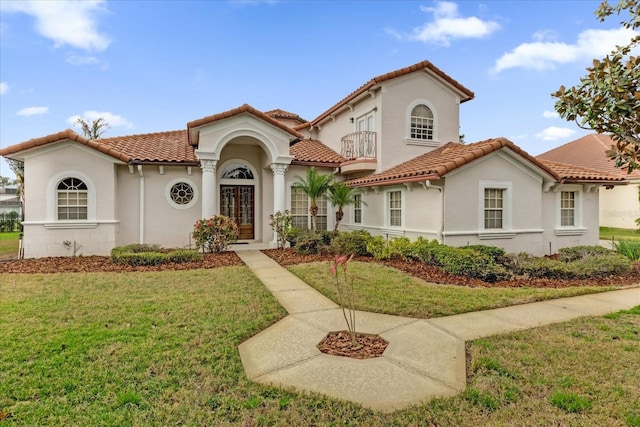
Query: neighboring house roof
[
  {"x": 244, "y": 108},
  {"x": 424, "y": 65},
  {"x": 67, "y": 134},
  {"x": 573, "y": 173},
  {"x": 161, "y": 147},
  {"x": 588, "y": 152},
  {"x": 437, "y": 163},
  {"x": 314, "y": 153},
  {"x": 14, "y": 201},
  {"x": 281, "y": 114}
]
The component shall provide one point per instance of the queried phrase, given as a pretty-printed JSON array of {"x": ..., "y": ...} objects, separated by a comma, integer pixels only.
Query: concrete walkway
[{"x": 424, "y": 359}]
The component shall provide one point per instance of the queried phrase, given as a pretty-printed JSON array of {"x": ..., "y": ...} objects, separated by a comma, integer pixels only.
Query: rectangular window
[
  {"x": 395, "y": 208},
  {"x": 568, "y": 209},
  {"x": 493, "y": 208},
  {"x": 72, "y": 204},
  {"x": 357, "y": 209},
  {"x": 300, "y": 210}
]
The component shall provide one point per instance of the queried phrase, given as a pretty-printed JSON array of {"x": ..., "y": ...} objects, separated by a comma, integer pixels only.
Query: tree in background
[
  {"x": 607, "y": 99},
  {"x": 17, "y": 167},
  {"x": 315, "y": 185},
  {"x": 94, "y": 129}
]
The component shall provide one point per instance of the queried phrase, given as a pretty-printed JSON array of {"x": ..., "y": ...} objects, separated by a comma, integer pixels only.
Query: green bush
[
  {"x": 310, "y": 242},
  {"x": 138, "y": 258},
  {"x": 354, "y": 242},
  {"x": 137, "y": 247},
  {"x": 579, "y": 252},
  {"x": 183, "y": 255},
  {"x": 462, "y": 262},
  {"x": 492, "y": 251},
  {"x": 376, "y": 247},
  {"x": 216, "y": 233},
  {"x": 588, "y": 267}
]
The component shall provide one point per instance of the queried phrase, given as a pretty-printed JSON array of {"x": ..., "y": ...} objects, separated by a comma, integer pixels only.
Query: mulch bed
[
  {"x": 340, "y": 344},
  {"x": 89, "y": 264}
]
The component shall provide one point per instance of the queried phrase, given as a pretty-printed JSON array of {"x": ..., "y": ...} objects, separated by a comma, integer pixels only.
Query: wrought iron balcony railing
[{"x": 359, "y": 145}]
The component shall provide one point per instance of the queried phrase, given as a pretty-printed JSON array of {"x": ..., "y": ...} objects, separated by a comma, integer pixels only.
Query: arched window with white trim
[
  {"x": 72, "y": 199},
  {"x": 422, "y": 123}
]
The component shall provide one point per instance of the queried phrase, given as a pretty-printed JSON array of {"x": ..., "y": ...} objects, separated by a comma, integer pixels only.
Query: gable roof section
[
  {"x": 588, "y": 152},
  {"x": 437, "y": 163},
  {"x": 281, "y": 114},
  {"x": 244, "y": 108},
  {"x": 64, "y": 135},
  {"x": 424, "y": 65},
  {"x": 310, "y": 152}
]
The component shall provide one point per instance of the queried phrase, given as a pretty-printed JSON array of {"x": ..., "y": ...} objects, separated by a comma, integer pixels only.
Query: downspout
[
  {"x": 141, "y": 225},
  {"x": 427, "y": 186}
]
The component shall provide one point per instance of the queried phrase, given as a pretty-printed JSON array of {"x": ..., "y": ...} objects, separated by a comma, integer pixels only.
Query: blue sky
[{"x": 150, "y": 66}]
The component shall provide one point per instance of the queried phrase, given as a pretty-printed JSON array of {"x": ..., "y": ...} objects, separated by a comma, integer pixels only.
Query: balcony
[{"x": 359, "y": 148}]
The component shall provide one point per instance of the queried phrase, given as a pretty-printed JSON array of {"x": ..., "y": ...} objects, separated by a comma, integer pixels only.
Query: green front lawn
[
  {"x": 609, "y": 233},
  {"x": 9, "y": 245},
  {"x": 156, "y": 349}
]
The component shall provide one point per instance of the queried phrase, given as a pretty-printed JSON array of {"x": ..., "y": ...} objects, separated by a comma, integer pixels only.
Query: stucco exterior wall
[
  {"x": 44, "y": 169},
  {"x": 619, "y": 206}
]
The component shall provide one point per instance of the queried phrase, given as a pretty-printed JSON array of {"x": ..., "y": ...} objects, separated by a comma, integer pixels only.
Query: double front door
[{"x": 237, "y": 202}]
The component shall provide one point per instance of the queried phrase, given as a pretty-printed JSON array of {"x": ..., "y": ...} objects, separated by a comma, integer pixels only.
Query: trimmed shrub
[
  {"x": 588, "y": 267},
  {"x": 579, "y": 252},
  {"x": 311, "y": 242},
  {"x": 138, "y": 258},
  {"x": 216, "y": 233},
  {"x": 183, "y": 255},
  {"x": 492, "y": 251},
  {"x": 376, "y": 246},
  {"x": 462, "y": 262},
  {"x": 354, "y": 242}
]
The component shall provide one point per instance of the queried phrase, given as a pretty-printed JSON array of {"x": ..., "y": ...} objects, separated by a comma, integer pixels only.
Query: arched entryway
[{"x": 238, "y": 182}]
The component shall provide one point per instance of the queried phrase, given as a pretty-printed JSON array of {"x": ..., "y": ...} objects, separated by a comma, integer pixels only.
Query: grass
[
  {"x": 609, "y": 233},
  {"x": 9, "y": 245},
  {"x": 385, "y": 290},
  {"x": 155, "y": 349}
]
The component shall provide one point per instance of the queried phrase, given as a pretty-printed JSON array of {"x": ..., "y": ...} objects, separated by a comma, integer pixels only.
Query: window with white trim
[
  {"x": 357, "y": 208},
  {"x": 300, "y": 210},
  {"x": 394, "y": 204},
  {"x": 72, "y": 199},
  {"x": 493, "y": 208},
  {"x": 422, "y": 122},
  {"x": 568, "y": 209}
]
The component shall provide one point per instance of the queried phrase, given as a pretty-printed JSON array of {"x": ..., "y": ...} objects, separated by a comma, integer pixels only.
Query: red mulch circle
[{"x": 340, "y": 344}]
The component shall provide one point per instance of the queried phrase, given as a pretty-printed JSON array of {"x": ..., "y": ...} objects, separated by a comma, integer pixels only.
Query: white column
[
  {"x": 209, "y": 193},
  {"x": 278, "y": 192}
]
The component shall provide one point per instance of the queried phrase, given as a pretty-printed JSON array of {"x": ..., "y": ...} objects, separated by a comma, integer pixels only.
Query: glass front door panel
[{"x": 237, "y": 202}]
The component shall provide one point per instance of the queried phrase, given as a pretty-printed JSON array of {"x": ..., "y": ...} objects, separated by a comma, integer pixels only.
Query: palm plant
[
  {"x": 341, "y": 195},
  {"x": 315, "y": 185}
]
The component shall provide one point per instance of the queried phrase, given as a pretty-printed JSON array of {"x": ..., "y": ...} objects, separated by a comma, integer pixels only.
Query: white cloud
[
  {"x": 71, "y": 23},
  {"x": 553, "y": 133},
  {"x": 32, "y": 111},
  {"x": 447, "y": 25},
  {"x": 113, "y": 120},
  {"x": 4, "y": 88},
  {"x": 541, "y": 54},
  {"x": 550, "y": 115}
]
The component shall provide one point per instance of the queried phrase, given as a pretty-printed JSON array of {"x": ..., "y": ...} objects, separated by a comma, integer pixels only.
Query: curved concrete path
[{"x": 425, "y": 357}]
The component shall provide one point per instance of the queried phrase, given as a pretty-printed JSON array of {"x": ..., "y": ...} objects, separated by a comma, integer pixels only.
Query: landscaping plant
[
  {"x": 346, "y": 292},
  {"x": 281, "y": 225},
  {"x": 216, "y": 233}
]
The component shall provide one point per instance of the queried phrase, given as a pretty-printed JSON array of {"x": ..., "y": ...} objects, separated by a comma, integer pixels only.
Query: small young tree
[
  {"x": 341, "y": 195},
  {"x": 281, "y": 224},
  {"x": 315, "y": 185}
]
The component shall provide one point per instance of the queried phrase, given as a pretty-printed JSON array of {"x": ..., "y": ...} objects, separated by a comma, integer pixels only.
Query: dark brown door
[{"x": 237, "y": 202}]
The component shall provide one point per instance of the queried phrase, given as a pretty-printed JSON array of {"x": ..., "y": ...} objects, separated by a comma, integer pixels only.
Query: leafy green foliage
[
  {"x": 314, "y": 185},
  {"x": 607, "y": 99},
  {"x": 145, "y": 254},
  {"x": 575, "y": 253},
  {"x": 354, "y": 242},
  {"x": 216, "y": 233},
  {"x": 280, "y": 223},
  {"x": 629, "y": 249},
  {"x": 310, "y": 242},
  {"x": 182, "y": 255},
  {"x": 138, "y": 258},
  {"x": 588, "y": 267},
  {"x": 341, "y": 195},
  {"x": 492, "y": 251}
]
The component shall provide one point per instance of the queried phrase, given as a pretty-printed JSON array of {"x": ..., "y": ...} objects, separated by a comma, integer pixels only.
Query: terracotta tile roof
[
  {"x": 244, "y": 108},
  {"x": 573, "y": 173},
  {"x": 160, "y": 147},
  {"x": 67, "y": 134},
  {"x": 439, "y": 162},
  {"x": 314, "y": 153},
  {"x": 588, "y": 152},
  {"x": 424, "y": 65},
  {"x": 281, "y": 114}
]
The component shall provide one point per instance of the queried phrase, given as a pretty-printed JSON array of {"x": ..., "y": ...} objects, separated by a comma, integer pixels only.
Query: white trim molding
[
  {"x": 192, "y": 202},
  {"x": 435, "y": 140},
  {"x": 52, "y": 186},
  {"x": 578, "y": 227},
  {"x": 507, "y": 207}
]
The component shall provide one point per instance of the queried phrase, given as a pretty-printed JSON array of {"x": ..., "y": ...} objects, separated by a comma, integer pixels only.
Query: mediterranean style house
[
  {"x": 396, "y": 137},
  {"x": 619, "y": 205}
]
